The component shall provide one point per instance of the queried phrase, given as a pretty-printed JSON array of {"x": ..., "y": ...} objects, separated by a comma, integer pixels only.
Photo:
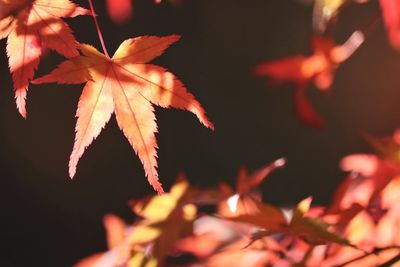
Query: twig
[
  {"x": 391, "y": 261},
  {"x": 98, "y": 29}
]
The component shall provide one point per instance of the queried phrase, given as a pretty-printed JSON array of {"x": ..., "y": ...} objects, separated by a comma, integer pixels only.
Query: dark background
[{"x": 49, "y": 220}]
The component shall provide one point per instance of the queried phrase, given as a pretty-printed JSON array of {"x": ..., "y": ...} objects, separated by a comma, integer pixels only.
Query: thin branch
[
  {"x": 376, "y": 251},
  {"x": 98, "y": 29},
  {"x": 391, "y": 261}
]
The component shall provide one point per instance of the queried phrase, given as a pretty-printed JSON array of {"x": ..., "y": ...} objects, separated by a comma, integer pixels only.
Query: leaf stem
[{"x": 98, "y": 29}]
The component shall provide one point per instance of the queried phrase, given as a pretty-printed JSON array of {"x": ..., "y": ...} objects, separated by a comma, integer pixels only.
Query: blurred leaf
[
  {"x": 120, "y": 11},
  {"x": 166, "y": 218},
  {"x": 268, "y": 217},
  {"x": 244, "y": 199},
  {"x": 391, "y": 18},
  {"x": 312, "y": 230},
  {"x": 324, "y": 12}
]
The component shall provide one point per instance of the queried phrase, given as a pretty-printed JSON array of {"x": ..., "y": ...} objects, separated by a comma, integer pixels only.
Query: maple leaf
[
  {"x": 318, "y": 68},
  {"x": 31, "y": 26},
  {"x": 369, "y": 174},
  {"x": 313, "y": 230},
  {"x": 128, "y": 86},
  {"x": 166, "y": 218},
  {"x": 301, "y": 70},
  {"x": 244, "y": 200}
]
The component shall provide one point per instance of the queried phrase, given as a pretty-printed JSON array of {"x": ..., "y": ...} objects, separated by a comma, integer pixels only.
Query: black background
[{"x": 49, "y": 220}]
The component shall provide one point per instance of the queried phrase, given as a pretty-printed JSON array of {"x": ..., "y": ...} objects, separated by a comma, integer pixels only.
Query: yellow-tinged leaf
[
  {"x": 301, "y": 209},
  {"x": 179, "y": 189},
  {"x": 143, "y": 234},
  {"x": 160, "y": 207},
  {"x": 189, "y": 212},
  {"x": 143, "y": 49},
  {"x": 139, "y": 259},
  {"x": 324, "y": 12},
  {"x": 313, "y": 230},
  {"x": 167, "y": 218},
  {"x": 157, "y": 209}
]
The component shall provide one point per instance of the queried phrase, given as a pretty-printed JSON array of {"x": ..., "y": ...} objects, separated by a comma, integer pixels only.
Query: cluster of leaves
[
  {"x": 225, "y": 226},
  {"x": 233, "y": 227},
  {"x": 123, "y": 84},
  {"x": 320, "y": 67}
]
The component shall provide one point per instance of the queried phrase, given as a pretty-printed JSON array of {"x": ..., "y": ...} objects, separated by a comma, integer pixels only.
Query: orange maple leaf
[
  {"x": 301, "y": 71},
  {"x": 128, "y": 86},
  {"x": 31, "y": 26}
]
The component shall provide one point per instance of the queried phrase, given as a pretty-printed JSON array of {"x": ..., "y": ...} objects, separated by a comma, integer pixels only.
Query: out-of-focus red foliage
[
  {"x": 120, "y": 11},
  {"x": 244, "y": 199},
  {"x": 391, "y": 17},
  {"x": 318, "y": 68},
  {"x": 359, "y": 228}
]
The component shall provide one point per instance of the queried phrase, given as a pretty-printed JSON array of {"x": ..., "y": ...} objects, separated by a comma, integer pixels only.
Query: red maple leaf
[{"x": 318, "y": 68}]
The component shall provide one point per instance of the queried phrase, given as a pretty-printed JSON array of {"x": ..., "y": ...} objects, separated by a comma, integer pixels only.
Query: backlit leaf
[
  {"x": 31, "y": 26},
  {"x": 125, "y": 85}
]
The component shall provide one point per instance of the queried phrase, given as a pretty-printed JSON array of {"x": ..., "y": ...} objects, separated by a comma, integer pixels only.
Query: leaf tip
[
  {"x": 23, "y": 113},
  {"x": 159, "y": 189},
  {"x": 305, "y": 204},
  {"x": 281, "y": 162},
  {"x": 36, "y": 81},
  {"x": 72, "y": 171},
  {"x": 155, "y": 183},
  {"x": 175, "y": 37},
  {"x": 20, "y": 98},
  {"x": 211, "y": 126}
]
